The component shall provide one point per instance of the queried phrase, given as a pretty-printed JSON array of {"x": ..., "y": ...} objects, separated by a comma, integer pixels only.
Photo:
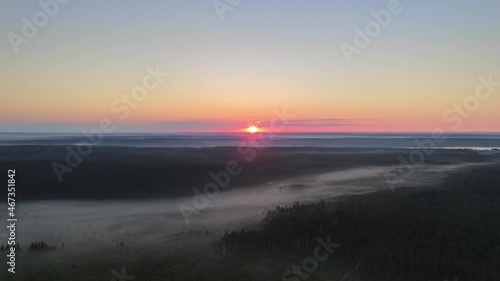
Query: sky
[{"x": 203, "y": 65}]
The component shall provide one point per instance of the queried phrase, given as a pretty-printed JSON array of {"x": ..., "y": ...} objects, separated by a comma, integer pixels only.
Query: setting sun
[{"x": 252, "y": 129}]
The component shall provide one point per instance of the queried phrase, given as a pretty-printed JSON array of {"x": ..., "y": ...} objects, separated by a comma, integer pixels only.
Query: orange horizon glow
[
  {"x": 407, "y": 125},
  {"x": 226, "y": 78}
]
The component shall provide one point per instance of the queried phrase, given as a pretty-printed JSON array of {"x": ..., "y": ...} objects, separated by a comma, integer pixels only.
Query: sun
[{"x": 252, "y": 129}]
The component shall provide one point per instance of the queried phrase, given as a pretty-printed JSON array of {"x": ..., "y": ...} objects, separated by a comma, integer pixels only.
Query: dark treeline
[
  {"x": 128, "y": 172},
  {"x": 426, "y": 235},
  {"x": 7, "y": 248},
  {"x": 42, "y": 246}
]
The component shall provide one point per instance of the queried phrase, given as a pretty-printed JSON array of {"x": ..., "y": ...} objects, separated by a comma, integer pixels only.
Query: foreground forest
[
  {"x": 435, "y": 234},
  {"x": 450, "y": 231}
]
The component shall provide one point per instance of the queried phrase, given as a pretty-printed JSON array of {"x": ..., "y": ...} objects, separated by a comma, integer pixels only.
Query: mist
[{"x": 87, "y": 226}]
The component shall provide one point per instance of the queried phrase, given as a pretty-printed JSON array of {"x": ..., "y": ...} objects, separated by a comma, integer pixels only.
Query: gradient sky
[{"x": 264, "y": 55}]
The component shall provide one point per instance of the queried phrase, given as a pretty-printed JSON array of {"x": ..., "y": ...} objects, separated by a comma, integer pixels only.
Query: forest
[
  {"x": 434, "y": 234},
  {"x": 134, "y": 173}
]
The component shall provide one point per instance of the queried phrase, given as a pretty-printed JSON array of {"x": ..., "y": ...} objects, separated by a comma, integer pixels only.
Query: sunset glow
[
  {"x": 252, "y": 129},
  {"x": 226, "y": 75}
]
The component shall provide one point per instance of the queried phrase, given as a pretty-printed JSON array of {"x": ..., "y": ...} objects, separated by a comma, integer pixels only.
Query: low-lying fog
[{"x": 94, "y": 225}]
